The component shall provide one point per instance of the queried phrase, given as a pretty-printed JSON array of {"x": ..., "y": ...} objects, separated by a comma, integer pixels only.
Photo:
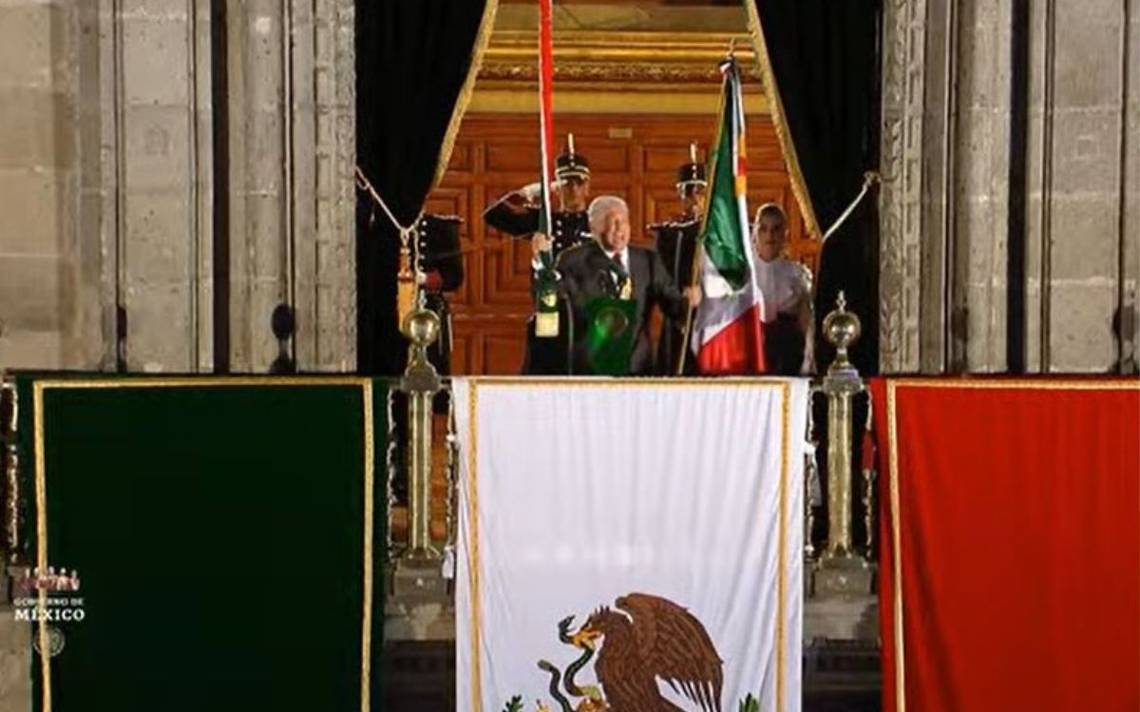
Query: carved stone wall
[
  {"x": 107, "y": 196},
  {"x": 292, "y": 83},
  {"x": 946, "y": 153},
  {"x": 1084, "y": 184},
  {"x": 107, "y": 183},
  {"x": 901, "y": 229}
]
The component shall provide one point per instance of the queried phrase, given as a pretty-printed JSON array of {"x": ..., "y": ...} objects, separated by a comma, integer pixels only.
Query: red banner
[{"x": 1010, "y": 549}]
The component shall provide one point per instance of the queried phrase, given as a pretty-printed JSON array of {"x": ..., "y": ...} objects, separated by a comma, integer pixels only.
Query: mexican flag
[
  {"x": 604, "y": 563},
  {"x": 728, "y": 337}
]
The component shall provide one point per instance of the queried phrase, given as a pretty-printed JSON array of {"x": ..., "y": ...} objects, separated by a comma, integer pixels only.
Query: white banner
[{"x": 630, "y": 545}]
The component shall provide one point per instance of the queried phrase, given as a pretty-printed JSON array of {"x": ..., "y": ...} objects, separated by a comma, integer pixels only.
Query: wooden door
[{"x": 633, "y": 156}]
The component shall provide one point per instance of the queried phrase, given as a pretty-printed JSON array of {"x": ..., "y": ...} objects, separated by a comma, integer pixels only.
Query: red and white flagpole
[{"x": 546, "y": 106}]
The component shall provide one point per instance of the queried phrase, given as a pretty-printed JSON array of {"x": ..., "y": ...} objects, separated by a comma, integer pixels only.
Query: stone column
[
  {"x": 1083, "y": 177},
  {"x": 163, "y": 149},
  {"x": 945, "y": 163},
  {"x": 326, "y": 261},
  {"x": 1130, "y": 258},
  {"x": 947, "y": 98},
  {"x": 292, "y": 83},
  {"x": 981, "y": 141},
  {"x": 901, "y": 219},
  {"x": 40, "y": 253}
]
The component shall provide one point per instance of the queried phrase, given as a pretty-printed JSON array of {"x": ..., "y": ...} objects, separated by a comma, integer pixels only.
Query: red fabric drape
[{"x": 1018, "y": 544}]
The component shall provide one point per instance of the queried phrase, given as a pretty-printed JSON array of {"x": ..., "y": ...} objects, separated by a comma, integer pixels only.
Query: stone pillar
[
  {"x": 326, "y": 296},
  {"x": 292, "y": 84},
  {"x": 104, "y": 180},
  {"x": 945, "y": 161},
  {"x": 978, "y": 247},
  {"x": 1130, "y": 259},
  {"x": 163, "y": 147},
  {"x": 40, "y": 254},
  {"x": 901, "y": 219},
  {"x": 1083, "y": 184},
  {"x": 947, "y": 98}
]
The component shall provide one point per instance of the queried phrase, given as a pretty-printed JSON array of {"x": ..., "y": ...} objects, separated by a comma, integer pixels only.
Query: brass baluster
[
  {"x": 391, "y": 469},
  {"x": 841, "y": 570},
  {"x": 811, "y": 480},
  {"x": 420, "y": 382},
  {"x": 869, "y": 476}
]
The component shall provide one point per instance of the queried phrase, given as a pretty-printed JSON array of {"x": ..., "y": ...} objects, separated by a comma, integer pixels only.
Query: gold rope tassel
[{"x": 407, "y": 285}]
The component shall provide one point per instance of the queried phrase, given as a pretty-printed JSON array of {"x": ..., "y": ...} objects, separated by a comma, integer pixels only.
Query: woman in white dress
[{"x": 786, "y": 288}]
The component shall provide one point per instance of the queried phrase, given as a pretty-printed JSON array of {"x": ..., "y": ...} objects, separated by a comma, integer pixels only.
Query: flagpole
[
  {"x": 545, "y": 106},
  {"x": 698, "y": 254}
]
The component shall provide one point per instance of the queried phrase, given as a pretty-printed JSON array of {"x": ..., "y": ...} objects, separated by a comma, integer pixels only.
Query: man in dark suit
[{"x": 610, "y": 267}]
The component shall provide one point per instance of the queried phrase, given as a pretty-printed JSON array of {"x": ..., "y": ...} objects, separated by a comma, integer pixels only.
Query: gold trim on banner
[
  {"x": 893, "y": 444},
  {"x": 41, "y": 547},
  {"x": 781, "y": 594},
  {"x": 369, "y": 528},
  {"x": 896, "y": 539},
  {"x": 482, "y": 39},
  {"x": 780, "y": 121},
  {"x": 39, "y": 387},
  {"x": 473, "y": 509},
  {"x": 473, "y": 547}
]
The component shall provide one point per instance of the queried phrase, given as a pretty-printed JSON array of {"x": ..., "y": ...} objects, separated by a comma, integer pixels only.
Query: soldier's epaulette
[
  {"x": 570, "y": 253},
  {"x": 443, "y": 218},
  {"x": 672, "y": 225}
]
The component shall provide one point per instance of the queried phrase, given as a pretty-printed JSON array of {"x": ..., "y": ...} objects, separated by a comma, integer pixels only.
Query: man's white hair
[{"x": 602, "y": 205}]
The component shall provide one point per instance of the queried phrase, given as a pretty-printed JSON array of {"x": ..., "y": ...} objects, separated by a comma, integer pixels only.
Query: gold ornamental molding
[
  {"x": 641, "y": 58},
  {"x": 626, "y": 71}
]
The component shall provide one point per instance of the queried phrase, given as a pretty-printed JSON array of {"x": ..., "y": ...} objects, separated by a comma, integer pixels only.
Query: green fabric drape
[{"x": 218, "y": 530}]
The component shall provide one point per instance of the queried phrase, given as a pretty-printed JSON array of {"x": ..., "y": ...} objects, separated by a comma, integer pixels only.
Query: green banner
[{"x": 226, "y": 535}]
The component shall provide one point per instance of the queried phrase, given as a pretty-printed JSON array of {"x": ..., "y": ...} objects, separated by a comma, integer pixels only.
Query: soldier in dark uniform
[
  {"x": 676, "y": 242},
  {"x": 439, "y": 269},
  {"x": 517, "y": 214}
]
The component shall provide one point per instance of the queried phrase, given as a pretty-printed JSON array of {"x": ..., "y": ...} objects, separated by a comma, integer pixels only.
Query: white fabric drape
[{"x": 576, "y": 493}]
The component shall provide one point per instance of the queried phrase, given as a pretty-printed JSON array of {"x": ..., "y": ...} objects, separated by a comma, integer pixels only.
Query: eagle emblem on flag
[{"x": 642, "y": 639}]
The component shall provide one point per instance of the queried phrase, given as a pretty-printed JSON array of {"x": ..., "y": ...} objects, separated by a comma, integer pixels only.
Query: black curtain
[
  {"x": 412, "y": 59},
  {"x": 825, "y": 58}
]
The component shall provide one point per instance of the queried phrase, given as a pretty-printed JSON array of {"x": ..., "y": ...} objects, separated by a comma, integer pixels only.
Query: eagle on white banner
[{"x": 630, "y": 545}]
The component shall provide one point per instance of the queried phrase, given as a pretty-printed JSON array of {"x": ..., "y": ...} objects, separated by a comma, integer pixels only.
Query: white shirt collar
[{"x": 624, "y": 255}]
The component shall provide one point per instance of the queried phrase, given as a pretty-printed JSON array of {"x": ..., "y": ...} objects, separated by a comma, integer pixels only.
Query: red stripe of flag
[{"x": 546, "y": 100}]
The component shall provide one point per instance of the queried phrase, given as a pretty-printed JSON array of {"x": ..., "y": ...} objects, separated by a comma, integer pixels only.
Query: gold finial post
[
  {"x": 842, "y": 571},
  {"x": 420, "y": 382}
]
